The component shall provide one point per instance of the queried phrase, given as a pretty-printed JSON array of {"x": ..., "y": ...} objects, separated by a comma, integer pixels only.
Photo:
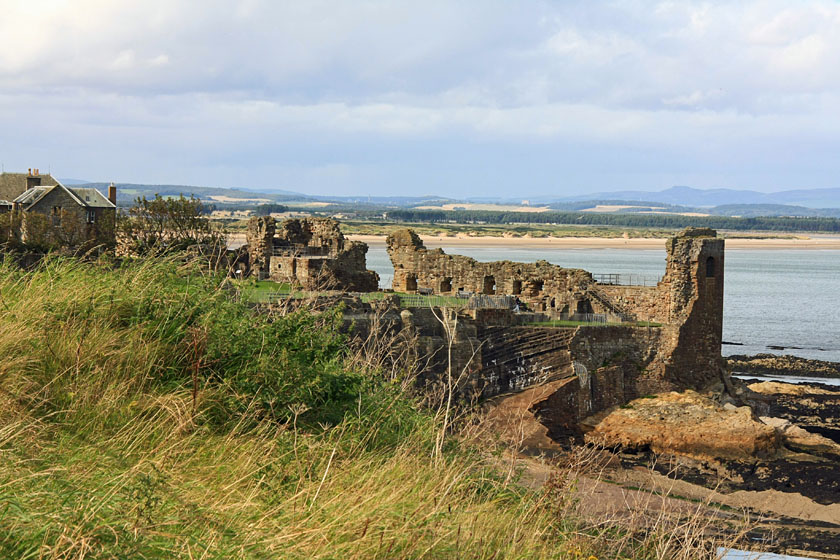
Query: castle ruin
[
  {"x": 680, "y": 351},
  {"x": 311, "y": 253}
]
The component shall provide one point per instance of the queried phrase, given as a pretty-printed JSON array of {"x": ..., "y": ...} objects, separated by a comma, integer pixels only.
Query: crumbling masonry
[
  {"x": 311, "y": 253},
  {"x": 598, "y": 366}
]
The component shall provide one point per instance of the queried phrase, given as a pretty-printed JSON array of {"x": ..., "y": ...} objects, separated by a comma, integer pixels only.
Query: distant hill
[
  {"x": 679, "y": 199},
  {"x": 755, "y": 210},
  {"x": 688, "y": 196}
]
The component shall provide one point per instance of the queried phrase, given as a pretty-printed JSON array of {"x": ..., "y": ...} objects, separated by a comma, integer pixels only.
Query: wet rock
[{"x": 770, "y": 364}]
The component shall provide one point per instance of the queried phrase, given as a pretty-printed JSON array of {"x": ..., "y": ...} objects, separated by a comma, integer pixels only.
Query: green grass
[
  {"x": 147, "y": 412},
  {"x": 279, "y": 450}
]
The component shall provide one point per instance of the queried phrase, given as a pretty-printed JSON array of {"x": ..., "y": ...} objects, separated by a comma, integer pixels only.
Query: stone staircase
[{"x": 608, "y": 303}]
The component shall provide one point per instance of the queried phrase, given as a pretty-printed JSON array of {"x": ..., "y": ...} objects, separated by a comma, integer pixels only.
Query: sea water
[{"x": 788, "y": 298}]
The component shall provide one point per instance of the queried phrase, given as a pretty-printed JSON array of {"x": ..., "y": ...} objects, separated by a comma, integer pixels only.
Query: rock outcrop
[
  {"x": 686, "y": 424},
  {"x": 771, "y": 364}
]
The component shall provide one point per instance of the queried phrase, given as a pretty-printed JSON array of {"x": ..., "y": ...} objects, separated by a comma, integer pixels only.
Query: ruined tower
[
  {"x": 693, "y": 289},
  {"x": 260, "y": 240}
]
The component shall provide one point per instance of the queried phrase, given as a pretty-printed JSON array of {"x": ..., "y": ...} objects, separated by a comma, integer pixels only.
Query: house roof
[
  {"x": 85, "y": 197},
  {"x": 33, "y": 195},
  {"x": 12, "y": 185},
  {"x": 91, "y": 197}
]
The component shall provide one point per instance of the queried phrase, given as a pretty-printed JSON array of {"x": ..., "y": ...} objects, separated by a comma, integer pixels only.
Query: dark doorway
[
  {"x": 517, "y": 287},
  {"x": 446, "y": 285},
  {"x": 489, "y": 285},
  {"x": 411, "y": 283}
]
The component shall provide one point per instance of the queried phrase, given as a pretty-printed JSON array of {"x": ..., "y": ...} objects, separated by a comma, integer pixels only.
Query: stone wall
[
  {"x": 693, "y": 284},
  {"x": 687, "y": 303},
  {"x": 543, "y": 286},
  {"x": 640, "y": 302},
  {"x": 311, "y": 253},
  {"x": 260, "y": 240},
  {"x": 571, "y": 373}
]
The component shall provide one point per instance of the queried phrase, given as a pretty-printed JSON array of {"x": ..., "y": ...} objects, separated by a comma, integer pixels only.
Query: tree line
[{"x": 674, "y": 221}]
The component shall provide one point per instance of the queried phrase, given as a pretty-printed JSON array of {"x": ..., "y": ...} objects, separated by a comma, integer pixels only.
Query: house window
[
  {"x": 56, "y": 210},
  {"x": 91, "y": 216}
]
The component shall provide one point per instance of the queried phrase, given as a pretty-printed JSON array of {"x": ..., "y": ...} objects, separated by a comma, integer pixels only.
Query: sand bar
[{"x": 434, "y": 241}]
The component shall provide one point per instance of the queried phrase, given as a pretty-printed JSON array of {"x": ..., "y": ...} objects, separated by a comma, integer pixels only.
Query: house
[{"x": 54, "y": 214}]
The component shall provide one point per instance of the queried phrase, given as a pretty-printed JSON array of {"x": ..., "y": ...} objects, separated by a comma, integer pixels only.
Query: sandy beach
[
  {"x": 434, "y": 241},
  {"x": 812, "y": 242}
]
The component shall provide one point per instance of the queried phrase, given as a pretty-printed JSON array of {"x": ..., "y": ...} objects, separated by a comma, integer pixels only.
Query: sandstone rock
[
  {"x": 686, "y": 424},
  {"x": 778, "y": 388},
  {"x": 802, "y": 440}
]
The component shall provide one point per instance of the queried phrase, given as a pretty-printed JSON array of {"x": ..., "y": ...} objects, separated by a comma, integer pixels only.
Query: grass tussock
[{"x": 145, "y": 412}]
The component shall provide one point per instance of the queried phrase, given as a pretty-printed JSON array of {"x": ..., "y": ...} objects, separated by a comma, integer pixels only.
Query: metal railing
[
  {"x": 624, "y": 279},
  {"x": 470, "y": 302},
  {"x": 602, "y": 318}
]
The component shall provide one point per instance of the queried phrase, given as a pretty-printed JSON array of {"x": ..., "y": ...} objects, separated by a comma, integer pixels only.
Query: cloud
[{"x": 163, "y": 81}]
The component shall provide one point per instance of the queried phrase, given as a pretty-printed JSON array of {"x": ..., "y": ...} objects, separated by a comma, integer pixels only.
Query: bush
[{"x": 167, "y": 326}]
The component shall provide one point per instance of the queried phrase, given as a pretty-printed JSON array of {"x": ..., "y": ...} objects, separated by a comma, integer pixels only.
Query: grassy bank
[{"x": 146, "y": 413}]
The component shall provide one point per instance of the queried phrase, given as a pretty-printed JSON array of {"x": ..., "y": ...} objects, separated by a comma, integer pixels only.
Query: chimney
[
  {"x": 33, "y": 180},
  {"x": 112, "y": 194}
]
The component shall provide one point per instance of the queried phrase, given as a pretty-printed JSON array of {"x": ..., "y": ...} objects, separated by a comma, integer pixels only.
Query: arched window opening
[{"x": 710, "y": 267}]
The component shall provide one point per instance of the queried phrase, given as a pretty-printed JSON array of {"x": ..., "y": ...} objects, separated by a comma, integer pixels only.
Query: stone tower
[{"x": 693, "y": 285}]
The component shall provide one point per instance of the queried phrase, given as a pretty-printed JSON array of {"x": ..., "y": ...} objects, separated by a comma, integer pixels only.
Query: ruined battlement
[
  {"x": 311, "y": 253},
  {"x": 687, "y": 302},
  {"x": 542, "y": 285}
]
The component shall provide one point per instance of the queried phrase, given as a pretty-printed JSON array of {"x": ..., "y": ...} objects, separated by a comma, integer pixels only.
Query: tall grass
[{"x": 146, "y": 413}]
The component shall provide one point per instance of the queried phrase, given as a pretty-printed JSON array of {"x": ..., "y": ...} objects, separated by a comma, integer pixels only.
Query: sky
[{"x": 460, "y": 99}]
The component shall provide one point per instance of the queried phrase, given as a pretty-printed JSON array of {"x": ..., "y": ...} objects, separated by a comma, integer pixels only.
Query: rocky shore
[
  {"x": 771, "y": 364},
  {"x": 763, "y": 451},
  {"x": 771, "y": 452}
]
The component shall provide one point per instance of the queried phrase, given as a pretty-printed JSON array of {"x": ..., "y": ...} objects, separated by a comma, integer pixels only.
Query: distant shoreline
[{"x": 434, "y": 241}]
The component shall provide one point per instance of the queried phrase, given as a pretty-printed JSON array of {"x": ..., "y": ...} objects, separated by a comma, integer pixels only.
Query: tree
[
  {"x": 269, "y": 209},
  {"x": 164, "y": 225}
]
